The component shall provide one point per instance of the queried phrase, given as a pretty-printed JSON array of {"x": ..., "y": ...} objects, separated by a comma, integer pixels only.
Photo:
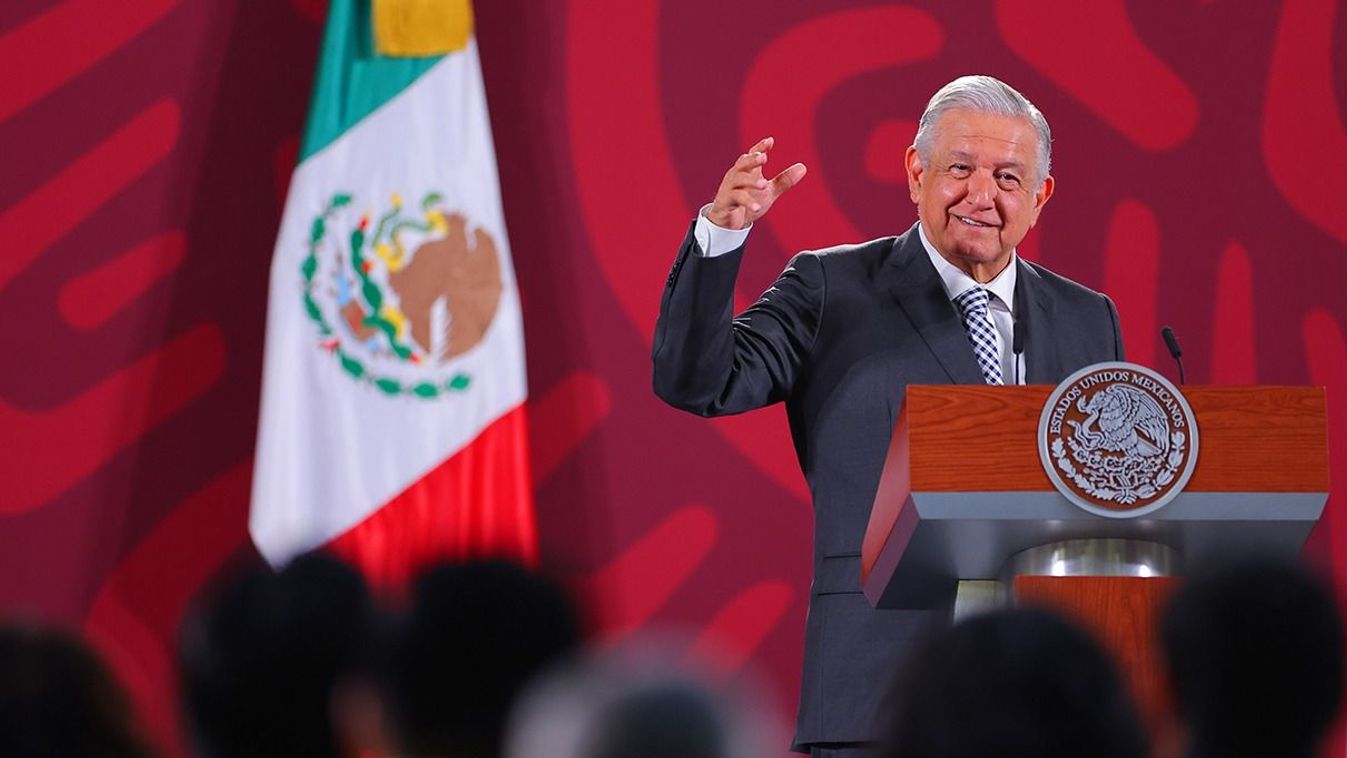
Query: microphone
[
  {"x": 1017, "y": 346},
  {"x": 1175, "y": 351}
]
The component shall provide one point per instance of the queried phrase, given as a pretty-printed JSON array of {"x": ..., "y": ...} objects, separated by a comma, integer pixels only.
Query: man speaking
[{"x": 843, "y": 331}]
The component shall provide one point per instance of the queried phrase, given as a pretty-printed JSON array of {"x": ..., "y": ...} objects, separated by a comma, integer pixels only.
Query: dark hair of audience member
[
  {"x": 1255, "y": 655},
  {"x": 474, "y": 635},
  {"x": 263, "y": 659},
  {"x": 669, "y": 719},
  {"x": 57, "y": 698},
  {"x": 1020, "y": 682}
]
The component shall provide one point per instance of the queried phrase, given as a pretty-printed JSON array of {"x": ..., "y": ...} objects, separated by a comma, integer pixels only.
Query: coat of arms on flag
[{"x": 395, "y": 295}]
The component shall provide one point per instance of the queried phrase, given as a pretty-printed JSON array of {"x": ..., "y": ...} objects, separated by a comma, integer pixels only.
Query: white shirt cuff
[{"x": 715, "y": 240}]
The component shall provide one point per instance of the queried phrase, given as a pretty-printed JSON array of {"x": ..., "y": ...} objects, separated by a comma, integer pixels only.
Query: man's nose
[{"x": 981, "y": 189}]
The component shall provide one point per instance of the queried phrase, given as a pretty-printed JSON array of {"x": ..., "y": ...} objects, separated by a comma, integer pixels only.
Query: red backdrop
[{"x": 1201, "y": 159}]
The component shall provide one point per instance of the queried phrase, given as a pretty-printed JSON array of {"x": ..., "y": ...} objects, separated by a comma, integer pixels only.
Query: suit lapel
[
  {"x": 917, "y": 288},
  {"x": 1034, "y": 312}
]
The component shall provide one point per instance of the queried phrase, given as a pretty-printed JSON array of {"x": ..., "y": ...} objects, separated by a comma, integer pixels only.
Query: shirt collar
[{"x": 956, "y": 282}]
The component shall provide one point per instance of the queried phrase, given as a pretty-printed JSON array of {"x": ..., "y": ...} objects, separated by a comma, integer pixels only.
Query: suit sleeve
[
  {"x": 1118, "y": 353},
  {"x": 710, "y": 362}
]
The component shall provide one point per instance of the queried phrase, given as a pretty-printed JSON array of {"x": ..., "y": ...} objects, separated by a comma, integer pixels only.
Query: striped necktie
[{"x": 973, "y": 305}]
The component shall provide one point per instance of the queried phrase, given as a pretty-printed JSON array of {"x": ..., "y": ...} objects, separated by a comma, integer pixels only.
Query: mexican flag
[{"x": 392, "y": 426}]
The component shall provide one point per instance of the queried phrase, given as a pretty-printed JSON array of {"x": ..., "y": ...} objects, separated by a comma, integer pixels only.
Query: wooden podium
[{"x": 964, "y": 498}]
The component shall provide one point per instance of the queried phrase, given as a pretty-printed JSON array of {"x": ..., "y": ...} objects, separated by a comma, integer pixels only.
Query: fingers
[
  {"x": 749, "y": 161},
  {"x": 764, "y": 145},
  {"x": 756, "y": 157},
  {"x": 746, "y": 173},
  {"x": 745, "y": 199},
  {"x": 745, "y": 189},
  {"x": 787, "y": 179},
  {"x": 752, "y": 180}
]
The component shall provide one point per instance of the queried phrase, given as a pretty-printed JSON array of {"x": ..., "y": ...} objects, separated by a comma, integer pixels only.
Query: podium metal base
[
  {"x": 974, "y": 596},
  {"x": 1090, "y": 557},
  {"x": 1094, "y": 557}
]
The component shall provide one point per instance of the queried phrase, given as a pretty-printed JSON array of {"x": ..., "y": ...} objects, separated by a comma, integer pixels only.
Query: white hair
[
  {"x": 636, "y": 700},
  {"x": 984, "y": 94}
]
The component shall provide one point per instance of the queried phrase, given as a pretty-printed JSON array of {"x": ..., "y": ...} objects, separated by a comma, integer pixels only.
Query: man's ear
[
  {"x": 915, "y": 170},
  {"x": 1041, "y": 198}
]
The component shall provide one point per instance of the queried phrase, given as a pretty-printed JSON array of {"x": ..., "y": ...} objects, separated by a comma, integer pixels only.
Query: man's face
[{"x": 980, "y": 193}]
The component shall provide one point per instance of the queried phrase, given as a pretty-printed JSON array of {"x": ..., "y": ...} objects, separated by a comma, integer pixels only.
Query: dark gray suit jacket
[{"x": 838, "y": 338}]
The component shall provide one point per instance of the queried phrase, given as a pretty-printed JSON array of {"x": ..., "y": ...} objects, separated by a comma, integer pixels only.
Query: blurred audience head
[
  {"x": 268, "y": 659},
  {"x": 472, "y": 637},
  {"x": 57, "y": 698},
  {"x": 1255, "y": 655},
  {"x": 640, "y": 701},
  {"x": 1019, "y": 682}
]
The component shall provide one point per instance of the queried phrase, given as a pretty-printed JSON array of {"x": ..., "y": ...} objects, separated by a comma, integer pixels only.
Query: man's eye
[
  {"x": 959, "y": 168},
  {"x": 1009, "y": 181}
]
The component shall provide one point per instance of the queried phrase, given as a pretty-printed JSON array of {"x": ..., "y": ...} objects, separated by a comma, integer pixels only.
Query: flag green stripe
[{"x": 352, "y": 80}]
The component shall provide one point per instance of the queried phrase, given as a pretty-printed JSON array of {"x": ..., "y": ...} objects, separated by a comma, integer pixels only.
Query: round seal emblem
[
  {"x": 1118, "y": 440},
  {"x": 397, "y": 294}
]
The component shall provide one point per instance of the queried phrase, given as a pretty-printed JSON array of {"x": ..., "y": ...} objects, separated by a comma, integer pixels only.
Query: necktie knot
[{"x": 974, "y": 301}]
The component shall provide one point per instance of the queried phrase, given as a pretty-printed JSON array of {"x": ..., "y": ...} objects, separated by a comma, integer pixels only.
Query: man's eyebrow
[{"x": 964, "y": 155}]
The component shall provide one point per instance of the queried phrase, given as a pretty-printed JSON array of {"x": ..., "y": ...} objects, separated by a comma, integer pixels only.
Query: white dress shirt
[{"x": 715, "y": 240}]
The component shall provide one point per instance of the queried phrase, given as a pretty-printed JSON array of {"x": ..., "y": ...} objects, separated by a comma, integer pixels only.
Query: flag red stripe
[{"x": 478, "y": 503}]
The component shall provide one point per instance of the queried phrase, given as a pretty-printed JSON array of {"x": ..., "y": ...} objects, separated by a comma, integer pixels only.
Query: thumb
[{"x": 787, "y": 179}]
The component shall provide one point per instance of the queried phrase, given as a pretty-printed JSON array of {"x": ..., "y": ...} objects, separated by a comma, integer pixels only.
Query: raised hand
[{"x": 745, "y": 195}]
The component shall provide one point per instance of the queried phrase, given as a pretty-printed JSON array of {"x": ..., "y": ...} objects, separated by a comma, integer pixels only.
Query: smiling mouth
[{"x": 971, "y": 222}]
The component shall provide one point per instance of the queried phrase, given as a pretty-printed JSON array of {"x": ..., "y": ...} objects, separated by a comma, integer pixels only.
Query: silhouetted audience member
[
  {"x": 472, "y": 638},
  {"x": 266, "y": 662},
  {"x": 669, "y": 719},
  {"x": 1012, "y": 683},
  {"x": 1255, "y": 654},
  {"x": 639, "y": 702},
  {"x": 57, "y": 699}
]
